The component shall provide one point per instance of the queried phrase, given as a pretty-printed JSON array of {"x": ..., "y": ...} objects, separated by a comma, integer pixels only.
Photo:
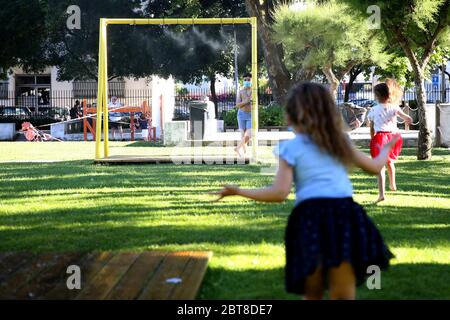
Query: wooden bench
[{"x": 104, "y": 275}]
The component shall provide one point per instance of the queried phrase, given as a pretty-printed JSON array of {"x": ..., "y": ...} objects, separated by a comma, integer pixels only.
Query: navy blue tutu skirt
[{"x": 326, "y": 232}]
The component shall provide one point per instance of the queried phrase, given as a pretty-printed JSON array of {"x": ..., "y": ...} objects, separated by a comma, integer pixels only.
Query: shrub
[
  {"x": 230, "y": 118},
  {"x": 269, "y": 116}
]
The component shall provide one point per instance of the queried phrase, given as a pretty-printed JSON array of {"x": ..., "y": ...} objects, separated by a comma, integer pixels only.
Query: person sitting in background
[
  {"x": 75, "y": 113},
  {"x": 115, "y": 118}
]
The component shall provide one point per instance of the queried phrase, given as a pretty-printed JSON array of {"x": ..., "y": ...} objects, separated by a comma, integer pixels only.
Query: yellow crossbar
[{"x": 181, "y": 21}]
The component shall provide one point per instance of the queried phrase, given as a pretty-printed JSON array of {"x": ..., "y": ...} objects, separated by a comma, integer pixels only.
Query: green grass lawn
[{"x": 75, "y": 205}]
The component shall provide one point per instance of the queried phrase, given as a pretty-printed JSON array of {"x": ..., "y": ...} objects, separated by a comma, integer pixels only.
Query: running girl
[
  {"x": 328, "y": 236},
  {"x": 383, "y": 127}
]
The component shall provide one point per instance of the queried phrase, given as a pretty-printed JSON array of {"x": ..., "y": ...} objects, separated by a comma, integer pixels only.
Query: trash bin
[{"x": 198, "y": 114}]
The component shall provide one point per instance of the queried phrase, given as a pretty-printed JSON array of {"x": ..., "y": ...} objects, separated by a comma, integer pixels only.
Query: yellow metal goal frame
[{"x": 102, "y": 94}]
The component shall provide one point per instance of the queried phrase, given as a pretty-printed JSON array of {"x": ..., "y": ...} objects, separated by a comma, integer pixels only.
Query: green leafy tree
[
  {"x": 279, "y": 75},
  {"x": 327, "y": 37},
  {"x": 189, "y": 53},
  {"x": 75, "y": 52},
  {"x": 418, "y": 28},
  {"x": 22, "y": 35},
  {"x": 203, "y": 51},
  {"x": 355, "y": 71}
]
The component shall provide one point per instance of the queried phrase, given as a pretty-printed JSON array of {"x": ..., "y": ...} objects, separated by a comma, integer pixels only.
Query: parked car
[
  {"x": 16, "y": 112},
  {"x": 56, "y": 113},
  {"x": 366, "y": 103},
  {"x": 126, "y": 117}
]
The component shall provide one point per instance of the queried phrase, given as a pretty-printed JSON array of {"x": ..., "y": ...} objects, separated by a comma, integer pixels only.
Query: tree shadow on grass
[
  {"x": 19, "y": 180},
  {"x": 400, "y": 281},
  {"x": 137, "y": 227},
  {"x": 181, "y": 187}
]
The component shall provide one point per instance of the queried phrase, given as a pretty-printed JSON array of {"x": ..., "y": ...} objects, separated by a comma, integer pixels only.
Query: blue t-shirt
[{"x": 316, "y": 173}]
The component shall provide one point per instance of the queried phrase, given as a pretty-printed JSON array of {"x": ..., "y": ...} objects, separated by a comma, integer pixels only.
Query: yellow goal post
[{"x": 102, "y": 94}]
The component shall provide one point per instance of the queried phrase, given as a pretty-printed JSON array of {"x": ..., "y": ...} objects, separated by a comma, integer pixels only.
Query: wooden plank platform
[
  {"x": 144, "y": 275},
  {"x": 223, "y": 160}
]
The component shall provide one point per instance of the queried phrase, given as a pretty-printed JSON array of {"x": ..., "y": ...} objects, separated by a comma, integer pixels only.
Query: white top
[
  {"x": 384, "y": 117},
  {"x": 112, "y": 105},
  {"x": 114, "y": 116}
]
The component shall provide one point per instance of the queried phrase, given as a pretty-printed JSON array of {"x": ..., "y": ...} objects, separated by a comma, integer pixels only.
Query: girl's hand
[
  {"x": 408, "y": 120},
  {"x": 392, "y": 143},
  {"x": 228, "y": 190}
]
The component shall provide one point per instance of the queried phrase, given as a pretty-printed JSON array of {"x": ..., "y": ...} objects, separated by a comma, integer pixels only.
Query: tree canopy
[
  {"x": 327, "y": 37},
  {"x": 43, "y": 39},
  {"x": 22, "y": 35}
]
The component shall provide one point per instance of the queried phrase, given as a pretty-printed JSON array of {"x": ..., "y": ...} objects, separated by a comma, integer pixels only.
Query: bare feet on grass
[
  {"x": 380, "y": 199},
  {"x": 238, "y": 152}
]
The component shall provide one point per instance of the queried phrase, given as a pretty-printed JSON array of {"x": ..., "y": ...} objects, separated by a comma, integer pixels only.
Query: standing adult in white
[{"x": 115, "y": 117}]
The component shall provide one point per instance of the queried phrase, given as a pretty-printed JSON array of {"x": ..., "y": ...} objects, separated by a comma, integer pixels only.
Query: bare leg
[
  {"x": 391, "y": 173},
  {"x": 314, "y": 286},
  {"x": 342, "y": 282},
  {"x": 381, "y": 178},
  {"x": 240, "y": 144},
  {"x": 246, "y": 139}
]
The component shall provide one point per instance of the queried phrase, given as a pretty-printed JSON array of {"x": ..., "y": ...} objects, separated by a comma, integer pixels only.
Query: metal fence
[
  {"x": 56, "y": 105},
  {"x": 364, "y": 91},
  {"x": 225, "y": 100}
]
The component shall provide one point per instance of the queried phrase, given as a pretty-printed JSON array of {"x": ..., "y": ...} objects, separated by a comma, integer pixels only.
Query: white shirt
[
  {"x": 114, "y": 116},
  {"x": 112, "y": 105},
  {"x": 384, "y": 117}
]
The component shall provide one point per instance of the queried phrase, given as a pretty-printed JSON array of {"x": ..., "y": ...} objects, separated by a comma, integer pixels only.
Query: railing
[
  {"x": 364, "y": 91},
  {"x": 225, "y": 99},
  {"x": 57, "y": 106}
]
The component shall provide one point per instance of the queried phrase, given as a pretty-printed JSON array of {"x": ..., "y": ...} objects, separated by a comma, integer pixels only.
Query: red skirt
[{"x": 380, "y": 140}]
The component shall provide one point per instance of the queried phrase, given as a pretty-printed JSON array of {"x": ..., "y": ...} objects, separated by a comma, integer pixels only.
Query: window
[
  {"x": 43, "y": 80},
  {"x": 33, "y": 90},
  {"x": 3, "y": 89},
  {"x": 88, "y": 89}
]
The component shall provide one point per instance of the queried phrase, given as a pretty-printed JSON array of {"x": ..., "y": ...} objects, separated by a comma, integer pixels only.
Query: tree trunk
[
  {"x": 353, "y": 75},
  {"x": 348, "y": 88},
  {"x": 332, "y": 80},
  {"x": 425, "y": 142},
  {"x": 212, "y": 86},
  {"x": 279, "y": 76}
]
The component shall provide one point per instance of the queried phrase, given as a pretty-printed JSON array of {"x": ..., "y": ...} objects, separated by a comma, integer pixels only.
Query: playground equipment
[
  {"x": 102, "y": 103},
  {"x": 144, "y": 109}
]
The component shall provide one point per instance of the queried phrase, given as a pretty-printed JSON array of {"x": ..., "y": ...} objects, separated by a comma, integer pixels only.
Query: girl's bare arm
[
  {"x": 404, "y": 116},
  {"x": 277, "y": 192}
]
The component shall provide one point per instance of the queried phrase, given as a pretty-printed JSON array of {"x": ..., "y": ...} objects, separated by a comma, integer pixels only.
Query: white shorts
[{"x": 144, "y": 134}]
